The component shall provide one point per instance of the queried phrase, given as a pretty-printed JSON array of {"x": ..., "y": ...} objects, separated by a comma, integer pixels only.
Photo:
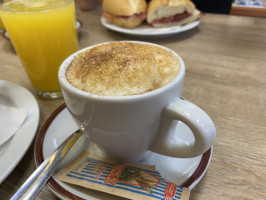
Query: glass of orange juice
[{"x": 43, "y": 33}]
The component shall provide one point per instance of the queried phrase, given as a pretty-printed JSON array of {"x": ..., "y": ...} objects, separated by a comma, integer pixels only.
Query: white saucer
[
  {"x": 146, "y": 30},
  {"x": 184, "y": 172},
  {"x": 12, "y": 151}
]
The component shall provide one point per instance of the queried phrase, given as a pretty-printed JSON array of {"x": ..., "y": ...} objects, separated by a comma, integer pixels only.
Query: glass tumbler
[{"x": 43, "y": 33}]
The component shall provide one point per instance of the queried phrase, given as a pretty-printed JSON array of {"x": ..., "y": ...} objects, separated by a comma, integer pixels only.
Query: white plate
[
  {"x": 14, "y": 149},
  {"x": 185, "y": 172},
  {"x": 146, "y": 30}
]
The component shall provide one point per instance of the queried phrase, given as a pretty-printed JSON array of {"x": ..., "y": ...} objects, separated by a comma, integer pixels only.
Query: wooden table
[{"x": 225, "y": 58}]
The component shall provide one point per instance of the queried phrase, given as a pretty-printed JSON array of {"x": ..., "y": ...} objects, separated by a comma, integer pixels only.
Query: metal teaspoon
[{"x": 41, "y": 175}]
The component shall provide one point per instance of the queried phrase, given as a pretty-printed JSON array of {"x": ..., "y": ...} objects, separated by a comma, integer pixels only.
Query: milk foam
[{"x": 122, "y": 69}]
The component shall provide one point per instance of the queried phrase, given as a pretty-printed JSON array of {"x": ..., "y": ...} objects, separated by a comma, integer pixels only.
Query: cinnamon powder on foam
[{"x": 122, "y": 69}]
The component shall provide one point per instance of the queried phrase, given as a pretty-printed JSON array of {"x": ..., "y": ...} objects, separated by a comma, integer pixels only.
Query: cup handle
[{"x": 196, "y": 119}]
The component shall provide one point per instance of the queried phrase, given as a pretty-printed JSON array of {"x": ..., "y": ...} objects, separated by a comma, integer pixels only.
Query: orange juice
[
  {"x": 43, "y": 33},
  {"x": 1, "y": 23}
]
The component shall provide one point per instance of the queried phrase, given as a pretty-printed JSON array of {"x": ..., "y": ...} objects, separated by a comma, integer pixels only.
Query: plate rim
[
  {"x": 151, "y": 32},
  {"x": 59, "y": 190},
  {"x": 34, "y": 108}
]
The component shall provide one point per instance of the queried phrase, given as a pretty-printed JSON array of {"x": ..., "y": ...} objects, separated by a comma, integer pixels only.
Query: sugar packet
[{"x": 131, "y": 181}]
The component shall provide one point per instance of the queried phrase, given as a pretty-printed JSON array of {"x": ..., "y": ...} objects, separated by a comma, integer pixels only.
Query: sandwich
[
  {"x": 166, "y": 13},
  {"x": 124, "y": 13}
]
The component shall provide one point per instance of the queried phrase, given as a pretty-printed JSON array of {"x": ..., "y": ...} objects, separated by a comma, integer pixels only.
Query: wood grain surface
[{"x": 225, "y": 59}]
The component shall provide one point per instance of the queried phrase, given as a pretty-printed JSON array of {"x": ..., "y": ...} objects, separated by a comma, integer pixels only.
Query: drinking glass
[{"x": 43, "y": 33}]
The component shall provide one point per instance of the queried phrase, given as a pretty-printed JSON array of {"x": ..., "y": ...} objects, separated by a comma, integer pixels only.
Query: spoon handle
[{"x": 41, "y": 175}]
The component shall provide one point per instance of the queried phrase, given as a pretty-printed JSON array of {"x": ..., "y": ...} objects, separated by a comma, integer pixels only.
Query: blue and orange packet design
[{"x": 125, "y": 180}]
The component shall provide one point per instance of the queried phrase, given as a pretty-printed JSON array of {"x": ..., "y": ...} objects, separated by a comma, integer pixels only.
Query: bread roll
[
  {"x": 165, "y": 13},
  {"x": 125, "y": 13}
]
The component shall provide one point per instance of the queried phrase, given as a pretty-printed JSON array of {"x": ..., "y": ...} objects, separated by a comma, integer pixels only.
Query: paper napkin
[{"x": 11, "y": 119}]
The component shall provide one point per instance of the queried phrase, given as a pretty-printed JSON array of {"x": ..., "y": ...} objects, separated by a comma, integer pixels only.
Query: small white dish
[
  {"x": 185, "y": 172},
  {"x": 146, "y": 30},
  {"x": 78, "y": 24},
  {"x": 12, "y": 151}
]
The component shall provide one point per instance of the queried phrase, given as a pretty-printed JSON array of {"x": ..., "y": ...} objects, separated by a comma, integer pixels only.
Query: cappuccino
[{"x": 122, "y": 69}]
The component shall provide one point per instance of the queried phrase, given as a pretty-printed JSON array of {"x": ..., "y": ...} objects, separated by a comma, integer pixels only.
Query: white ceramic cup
[{"x": 126, "y": 127}]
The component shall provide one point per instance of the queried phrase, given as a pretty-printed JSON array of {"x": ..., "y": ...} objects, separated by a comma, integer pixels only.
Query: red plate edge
[{"x": 38, "y": 155}]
